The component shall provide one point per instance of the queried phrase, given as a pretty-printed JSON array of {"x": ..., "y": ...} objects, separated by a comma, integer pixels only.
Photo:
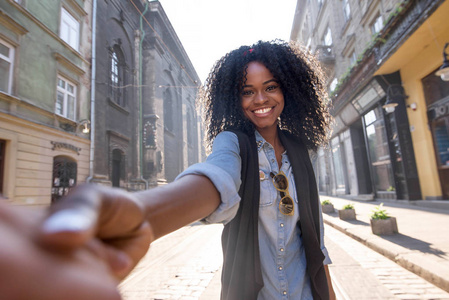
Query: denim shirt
[{"x": 282, "y": 256}]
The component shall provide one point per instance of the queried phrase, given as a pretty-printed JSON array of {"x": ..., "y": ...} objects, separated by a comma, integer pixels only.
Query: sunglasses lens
[
  {"x": 286, "y": 206},
  {"x": 280, "y": 182}
]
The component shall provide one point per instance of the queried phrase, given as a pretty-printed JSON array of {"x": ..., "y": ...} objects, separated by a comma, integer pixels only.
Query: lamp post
[
  {"x": 443, "y": 71},
  {"x": 395, "y": 94}
]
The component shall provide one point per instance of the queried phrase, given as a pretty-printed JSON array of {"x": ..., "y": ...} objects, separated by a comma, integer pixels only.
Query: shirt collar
[{"x": 260, "y": 141}]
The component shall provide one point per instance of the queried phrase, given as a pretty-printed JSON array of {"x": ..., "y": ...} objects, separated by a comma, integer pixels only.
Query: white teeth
[{"x": 262, "y": 110}]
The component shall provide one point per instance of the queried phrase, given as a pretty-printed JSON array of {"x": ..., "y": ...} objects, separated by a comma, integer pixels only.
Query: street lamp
[
  {"x": 395, "y": 93},
  {"x": 443, "y": 72},
  {"x": 85, "y": 124}
]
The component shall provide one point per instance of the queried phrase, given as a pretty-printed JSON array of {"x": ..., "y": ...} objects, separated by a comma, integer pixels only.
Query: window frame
[
  {"x": 117, "y": 76},
  {"x": 346, "y": 10},
  {"x": 9, "y": 60},
  {"x": 66, "y": 18},
  {"x": 378, "y": 21},
  {"x": 66, "y": 93},
  {"x": 352, "y": 58},
  {"x": 327, "y": 33}
]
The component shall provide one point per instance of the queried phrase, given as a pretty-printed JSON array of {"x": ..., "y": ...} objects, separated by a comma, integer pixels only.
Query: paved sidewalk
[{"x": 422, "y": 244}]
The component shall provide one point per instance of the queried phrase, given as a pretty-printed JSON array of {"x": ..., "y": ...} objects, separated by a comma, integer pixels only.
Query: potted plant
[
  {"x": 382, "y": 223},
  {"x": 327, "y": 207},
  {"x": 347, "y": 212}
]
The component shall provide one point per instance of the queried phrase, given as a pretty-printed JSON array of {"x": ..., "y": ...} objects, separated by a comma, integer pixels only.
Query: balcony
[{"x": 325, "y": 54}]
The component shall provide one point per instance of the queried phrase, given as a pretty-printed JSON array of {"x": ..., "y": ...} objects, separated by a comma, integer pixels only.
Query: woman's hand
[{"x": 108, "y": 221}]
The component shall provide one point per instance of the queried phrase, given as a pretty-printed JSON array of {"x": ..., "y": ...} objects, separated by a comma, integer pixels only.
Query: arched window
[
  {"x": 64, "y": 176},
  {"x": 168, "y": 111},
  {"x": 117, "y": 76}
]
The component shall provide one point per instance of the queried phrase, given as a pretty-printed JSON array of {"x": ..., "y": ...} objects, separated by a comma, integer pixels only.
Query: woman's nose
[{"x": 260, "y": 97}]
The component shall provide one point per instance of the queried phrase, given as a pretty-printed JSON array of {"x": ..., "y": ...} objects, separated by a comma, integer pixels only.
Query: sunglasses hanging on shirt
[{"x": 280, "y": 182}]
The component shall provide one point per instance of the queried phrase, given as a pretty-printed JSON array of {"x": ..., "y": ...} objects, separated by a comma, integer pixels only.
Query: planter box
[
  {"x": 346, "y": 214},
  {"x": 384, "y": 227},
  {"x": 328, "y": 208}
]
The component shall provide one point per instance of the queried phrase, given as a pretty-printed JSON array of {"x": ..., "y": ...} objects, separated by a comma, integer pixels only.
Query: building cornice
[
  {"x": 11, "y": 24},
  {"x": 68, "y": 64}
]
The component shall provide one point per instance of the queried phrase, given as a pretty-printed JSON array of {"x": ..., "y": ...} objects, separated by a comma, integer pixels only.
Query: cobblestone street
[
  {"x": 186, "y": 265},
  {"x": 361, "y": 273},
  {"x": 178, "y": 266}
]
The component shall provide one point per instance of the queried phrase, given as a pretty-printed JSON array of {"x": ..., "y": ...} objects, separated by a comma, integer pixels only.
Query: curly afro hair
[{"x": 305, "y": 114}]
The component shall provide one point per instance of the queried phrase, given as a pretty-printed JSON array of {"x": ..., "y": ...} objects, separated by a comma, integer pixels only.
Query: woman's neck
[{"x": 272, "y": 136}]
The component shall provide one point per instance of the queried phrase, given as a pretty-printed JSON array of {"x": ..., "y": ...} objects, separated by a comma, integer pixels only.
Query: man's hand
[
  {"x": 108, "y": 221},
  {"x": 30, "y": 271}
]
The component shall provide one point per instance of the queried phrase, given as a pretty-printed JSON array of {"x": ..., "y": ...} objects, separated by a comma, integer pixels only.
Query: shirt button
[
  {"x": 280, "y": 268},
  {"x": 282, "y": 249},
  {"x": 284, "y": 292},
  {"x": 282, "y": 225},
  {"x": 272, "y": 160}
]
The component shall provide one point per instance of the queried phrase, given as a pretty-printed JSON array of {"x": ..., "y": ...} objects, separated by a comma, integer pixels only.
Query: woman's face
[{"x": 262, "y": 98}]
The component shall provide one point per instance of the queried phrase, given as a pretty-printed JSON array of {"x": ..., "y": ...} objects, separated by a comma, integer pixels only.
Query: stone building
[
  {"x": 145, "y": 125},
  {"x": 376, "y": 53},
  {"x": 45, "y": 54}
]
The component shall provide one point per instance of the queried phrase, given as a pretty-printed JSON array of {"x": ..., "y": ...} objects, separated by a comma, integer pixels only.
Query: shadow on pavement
[{"x": 414, "y": 244}]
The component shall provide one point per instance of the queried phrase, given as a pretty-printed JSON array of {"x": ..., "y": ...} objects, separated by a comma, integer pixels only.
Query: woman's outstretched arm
[{"x": 126, "y": 223}]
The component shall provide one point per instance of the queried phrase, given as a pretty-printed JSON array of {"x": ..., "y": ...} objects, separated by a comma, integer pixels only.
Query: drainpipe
[
  {"x": 92, "y": 92},
  {"x": 140, "y": 98}
]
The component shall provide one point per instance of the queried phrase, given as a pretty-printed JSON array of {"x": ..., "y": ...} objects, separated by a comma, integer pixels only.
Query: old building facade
[
  {"x": 145, "y": 124},
  {"x": 376, "y": 53},
  {"x": 113, "y": 106},
  {"x": 44, "y": 98}
]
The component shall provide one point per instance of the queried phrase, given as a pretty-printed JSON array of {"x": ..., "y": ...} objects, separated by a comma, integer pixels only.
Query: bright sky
[{"x": 208, "y": 29}]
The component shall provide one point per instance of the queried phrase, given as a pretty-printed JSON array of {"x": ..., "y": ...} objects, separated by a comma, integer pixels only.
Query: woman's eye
[
  {"x": 272, "y": 87},
  {"x": 246, "y": 93}
]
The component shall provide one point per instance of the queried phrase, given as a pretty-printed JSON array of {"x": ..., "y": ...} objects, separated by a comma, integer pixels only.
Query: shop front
[
  {"x": 371, "y": 152},
  {"x": 436, "y": 92}
]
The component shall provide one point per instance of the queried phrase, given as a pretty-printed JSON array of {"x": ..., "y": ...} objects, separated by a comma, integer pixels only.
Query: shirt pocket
[{"x": 267, "y": 191}]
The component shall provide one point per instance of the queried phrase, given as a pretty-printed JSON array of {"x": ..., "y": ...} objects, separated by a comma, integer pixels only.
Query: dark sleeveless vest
[{"x": 242, "y": 275}]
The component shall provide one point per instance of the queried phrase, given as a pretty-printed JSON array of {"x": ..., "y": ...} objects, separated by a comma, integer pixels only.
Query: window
[
  {"x": 377, "y": 24},
  {"x": 327, "y": 38},
  {"x": 346, "y": 10},
  {"x": 117, "y": 76},
  {"x": 66, "y": 99},
  {"x": 333, "y": 84},
  {"x": 70, "y": 29},
  {"x": 377, "y": 143},
  {"x": 353, "y": 58},
  {"x": 6, "y": 66}
]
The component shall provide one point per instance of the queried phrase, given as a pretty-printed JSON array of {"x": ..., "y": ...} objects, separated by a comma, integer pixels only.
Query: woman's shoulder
[{"x": 226, "y": 139}]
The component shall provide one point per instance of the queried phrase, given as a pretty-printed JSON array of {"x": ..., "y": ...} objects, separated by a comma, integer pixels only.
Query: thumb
[
  {"x": 68, "y": 228},
  {"x": 72, "y": 221}
]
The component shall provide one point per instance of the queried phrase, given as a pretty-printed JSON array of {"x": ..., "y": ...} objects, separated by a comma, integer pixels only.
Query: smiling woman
[{"x": 264, "y": 110}]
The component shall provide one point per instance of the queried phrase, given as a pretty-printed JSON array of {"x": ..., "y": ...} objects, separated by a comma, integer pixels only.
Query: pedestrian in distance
[{"x": 265, "y": 112}]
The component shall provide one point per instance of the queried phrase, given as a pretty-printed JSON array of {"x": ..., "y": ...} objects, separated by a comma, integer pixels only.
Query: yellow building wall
[
  {"x": 418, "y": 57},
  {"x": 29, "y": 160}
]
